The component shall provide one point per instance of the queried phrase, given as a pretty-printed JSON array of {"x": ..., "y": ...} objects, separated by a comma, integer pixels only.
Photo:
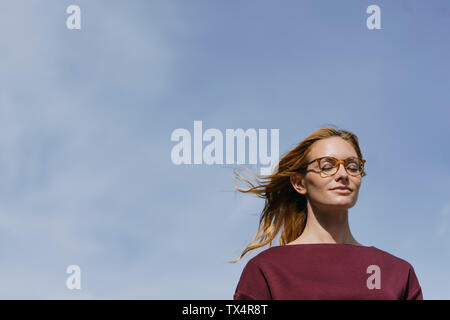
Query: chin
[{"x": 347, "y": 204}]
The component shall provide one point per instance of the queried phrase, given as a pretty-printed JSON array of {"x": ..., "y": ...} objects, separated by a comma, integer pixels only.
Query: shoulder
[
  {"x": 274, "y": 257},
  {"x": 270, "y": 254},
  {"x": 391, "y": 258},
  {"x": 404, "y": 273}
]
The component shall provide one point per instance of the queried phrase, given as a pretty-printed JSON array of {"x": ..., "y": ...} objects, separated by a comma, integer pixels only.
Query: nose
[{"x": 341, "y": 171}]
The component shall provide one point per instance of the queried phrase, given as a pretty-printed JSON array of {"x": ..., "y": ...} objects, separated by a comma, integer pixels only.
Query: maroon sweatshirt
[{"x": 323, "y": 271}]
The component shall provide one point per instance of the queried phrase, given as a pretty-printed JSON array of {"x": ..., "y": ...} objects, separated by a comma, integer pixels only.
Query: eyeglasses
[{"x": 329, "y": 166}]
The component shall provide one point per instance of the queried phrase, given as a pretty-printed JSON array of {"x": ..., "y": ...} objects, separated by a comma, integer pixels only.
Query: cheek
[
  {"x": 319, "y": 188},
  {"x": 356, "y": 186}
]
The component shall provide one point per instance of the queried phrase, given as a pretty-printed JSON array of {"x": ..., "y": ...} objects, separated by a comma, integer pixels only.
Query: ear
[{"x": 297, "y": 183}]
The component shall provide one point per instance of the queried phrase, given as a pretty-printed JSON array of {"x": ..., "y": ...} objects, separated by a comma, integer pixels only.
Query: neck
[{"x": 326, "y": 226}]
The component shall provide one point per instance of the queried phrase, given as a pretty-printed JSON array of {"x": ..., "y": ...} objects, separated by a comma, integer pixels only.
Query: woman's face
[{"x": 318, "y": 188}]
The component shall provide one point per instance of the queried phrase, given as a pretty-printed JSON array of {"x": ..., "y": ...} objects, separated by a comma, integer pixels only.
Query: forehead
[{"x": 333, "y": 147}]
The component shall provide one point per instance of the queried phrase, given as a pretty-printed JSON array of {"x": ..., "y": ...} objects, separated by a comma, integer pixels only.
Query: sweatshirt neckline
[{"x": 326, "y": 244}]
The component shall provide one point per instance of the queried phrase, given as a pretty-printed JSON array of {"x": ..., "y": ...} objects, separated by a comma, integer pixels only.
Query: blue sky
[{"x": 86, "y": 118}]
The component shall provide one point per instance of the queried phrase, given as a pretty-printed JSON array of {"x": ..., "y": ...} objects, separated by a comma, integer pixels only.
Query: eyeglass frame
[{"x": 362, "y": 173}]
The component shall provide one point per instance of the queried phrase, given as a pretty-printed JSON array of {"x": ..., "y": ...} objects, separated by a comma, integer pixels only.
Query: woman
[{"x": 308, "y": 198}]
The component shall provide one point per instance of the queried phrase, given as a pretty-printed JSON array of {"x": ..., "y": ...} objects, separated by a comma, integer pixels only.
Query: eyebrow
[
  {"x": 328, "y": 156},
  {"x": 351, "y": 157}
]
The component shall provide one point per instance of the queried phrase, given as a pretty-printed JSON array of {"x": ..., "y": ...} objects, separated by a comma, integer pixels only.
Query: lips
[{"x": 342, "y": 188}]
